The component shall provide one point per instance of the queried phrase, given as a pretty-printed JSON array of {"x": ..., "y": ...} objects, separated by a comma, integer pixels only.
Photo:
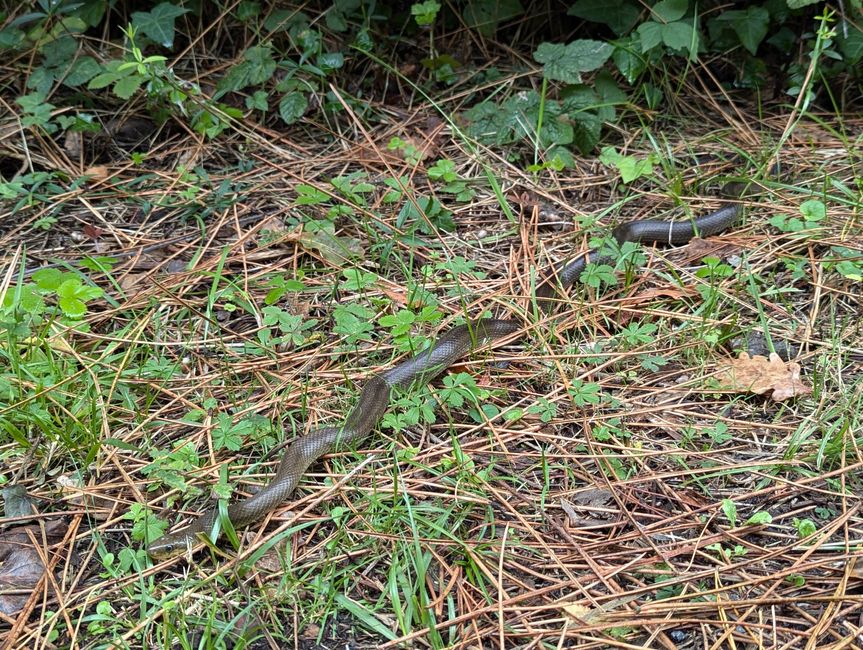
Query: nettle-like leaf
[
  {"x": 293, "y": 106},
  {"x": 567, "y": 62}
]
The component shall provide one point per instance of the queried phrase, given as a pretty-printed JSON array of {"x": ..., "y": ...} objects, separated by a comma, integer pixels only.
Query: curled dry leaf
[{"x": 759, "y": 375}]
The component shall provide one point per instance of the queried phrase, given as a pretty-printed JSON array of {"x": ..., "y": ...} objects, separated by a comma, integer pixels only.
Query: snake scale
[{"x": 422, "y": 368}]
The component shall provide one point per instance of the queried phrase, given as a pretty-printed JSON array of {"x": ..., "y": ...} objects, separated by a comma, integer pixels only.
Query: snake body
[{"x": 422, "y": 368}]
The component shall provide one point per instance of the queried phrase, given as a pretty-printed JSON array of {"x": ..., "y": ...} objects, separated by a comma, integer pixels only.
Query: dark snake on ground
[{"x": 423, "y": 368}]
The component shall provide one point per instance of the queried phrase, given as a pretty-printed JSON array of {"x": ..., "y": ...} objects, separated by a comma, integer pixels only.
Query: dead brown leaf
[
  {"x": 759, "y": 375},
  {"x": 22, "y": 567},
  {"x": 97, "y": 173}
]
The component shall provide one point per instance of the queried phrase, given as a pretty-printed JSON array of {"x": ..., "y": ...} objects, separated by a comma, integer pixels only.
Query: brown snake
[{"x": 420, "y": 369}]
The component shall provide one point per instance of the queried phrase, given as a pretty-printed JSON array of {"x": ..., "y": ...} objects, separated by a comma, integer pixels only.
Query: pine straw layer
[{"x": 593, "y": 529}]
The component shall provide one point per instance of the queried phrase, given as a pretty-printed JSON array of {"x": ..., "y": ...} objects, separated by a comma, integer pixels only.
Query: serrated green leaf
[
  {"x": 48, "y": 279},
  {"x": 105, "y": 79},
  {"x": 125, "y": 88},
  {"x": 292, "y": 107},
  {"x": 799, "y": 4},
  {"x": 261, "y": 65},
  {"x": 69, "y": 287},
  {"x": 72, "y": 307},
  {"x": 586, "y": 130},
  {"x": 158, "y": 23},
  {"x": 567, "y": 62},
  {"x": 490, "y": 124},
  {"x": 41, "y": 80},
  {"x": 60, "y": 52}
]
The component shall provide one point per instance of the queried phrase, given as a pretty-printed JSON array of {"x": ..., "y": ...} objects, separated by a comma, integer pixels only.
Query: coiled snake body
[{"x": 422, "y": 368}]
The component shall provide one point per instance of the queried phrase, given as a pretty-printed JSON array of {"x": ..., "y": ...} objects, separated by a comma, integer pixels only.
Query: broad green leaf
[
  {"x": 668, "y": 11},
  {"x": 158, "y": 23},
  {"x": 84, "y": 69},
  {"x": 72, "y": 307},
  {"x": 486, "y": 15},
  {"x": 750, "y": 26},
  {"x": 48, "y": 279},
  {"x": 852, "y": 46},
  {"x": 651, "y": 35},
  {"x": 329, "y": 61},
  {"x": 125, "y": 88},
  {"x": 813, "y": 210},
  {"x": 680, "y": 36},
  {"x": 629, "y": 62},
  {"x": 566, "y": 62},
  {"x": 586, "y": 129},
  {"x": 760, "y": 518},
  {"x": 620, "y": 15}
]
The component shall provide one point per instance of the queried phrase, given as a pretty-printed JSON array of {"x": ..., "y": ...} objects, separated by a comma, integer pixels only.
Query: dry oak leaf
[{"x": 759, "y": 375}]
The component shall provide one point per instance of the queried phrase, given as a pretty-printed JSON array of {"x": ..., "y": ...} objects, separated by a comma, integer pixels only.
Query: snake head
[{"x": 172, "y": 545}]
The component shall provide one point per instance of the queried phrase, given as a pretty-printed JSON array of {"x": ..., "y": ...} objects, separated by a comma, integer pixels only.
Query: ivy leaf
[
  {"x": 158, "y": 23},
  {"x": 750, "y": 26},
  {"x": 292, "y": 107}
]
